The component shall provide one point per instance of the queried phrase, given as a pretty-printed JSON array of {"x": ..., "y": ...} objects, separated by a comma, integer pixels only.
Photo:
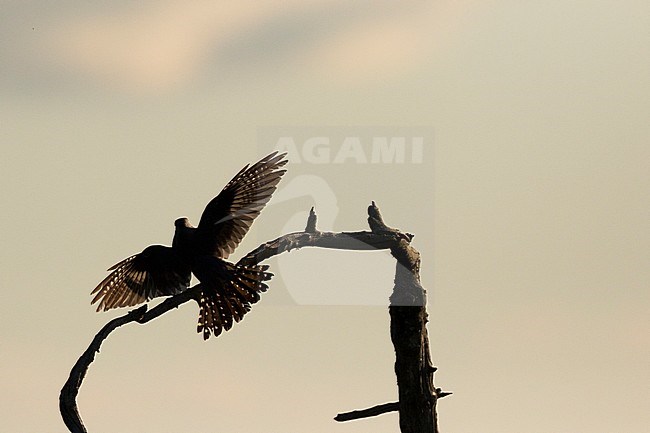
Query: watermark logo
[
  {"x": 360, "y": 150},
  {"x": 339, "y": 171}
]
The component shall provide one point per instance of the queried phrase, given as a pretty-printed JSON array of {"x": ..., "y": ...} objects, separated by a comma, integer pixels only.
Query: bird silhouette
[{"x": 228, "y": 290}]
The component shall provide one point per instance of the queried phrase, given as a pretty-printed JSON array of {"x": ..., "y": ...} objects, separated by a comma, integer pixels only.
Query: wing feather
[
  {"x": 156, "y": 271},
  {"x": 229, "y": 216}
]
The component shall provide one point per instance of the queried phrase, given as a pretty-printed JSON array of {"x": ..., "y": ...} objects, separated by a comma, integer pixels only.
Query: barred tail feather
[{"x": 226, "y": 299}]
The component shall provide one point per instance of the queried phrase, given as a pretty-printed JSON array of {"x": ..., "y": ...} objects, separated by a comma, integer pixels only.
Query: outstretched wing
[
  {"x": 228, "y": 216},
  {"x": 156, "y": 271}
]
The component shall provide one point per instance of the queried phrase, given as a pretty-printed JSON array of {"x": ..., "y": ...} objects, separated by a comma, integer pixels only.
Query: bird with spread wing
[{"x": 227, "y": 290}]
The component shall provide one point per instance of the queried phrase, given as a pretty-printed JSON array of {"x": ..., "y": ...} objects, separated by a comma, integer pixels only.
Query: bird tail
[{"x": 228, "y": 294}]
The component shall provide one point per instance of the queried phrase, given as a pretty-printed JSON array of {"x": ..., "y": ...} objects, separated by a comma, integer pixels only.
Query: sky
[{"x": 512, "y": 138}]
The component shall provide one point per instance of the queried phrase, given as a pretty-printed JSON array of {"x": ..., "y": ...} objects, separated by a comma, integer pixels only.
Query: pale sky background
[{"x": 531, "y": 208}]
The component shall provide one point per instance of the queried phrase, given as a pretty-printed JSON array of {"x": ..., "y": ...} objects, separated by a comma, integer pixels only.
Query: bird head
[{"x": 182, "y": 222}]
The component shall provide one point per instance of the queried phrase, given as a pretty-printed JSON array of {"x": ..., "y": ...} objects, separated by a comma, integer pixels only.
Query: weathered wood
[
  {"x": 413, "y": 367},
  {"x": 380, "y": 409},
  {"x": 68, "y": 396},
  {"x": 311, "y": 221}
]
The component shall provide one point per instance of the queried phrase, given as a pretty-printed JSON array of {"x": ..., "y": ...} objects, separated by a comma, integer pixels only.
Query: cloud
[
  {"x": 159, "y": 46},
  {"x": 373, "y": 51},
  {"x": 151, "y": 47}
]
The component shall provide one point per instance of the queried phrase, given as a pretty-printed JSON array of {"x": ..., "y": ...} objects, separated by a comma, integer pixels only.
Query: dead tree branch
[
  {"x": 413, "y": 367},
  {"x": 367, "y": 413},
  {"x": 408, "y": 323}
]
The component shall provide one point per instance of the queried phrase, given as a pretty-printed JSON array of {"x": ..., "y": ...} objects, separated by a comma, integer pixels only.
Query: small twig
[
  {"x": 311, "y": 221},
  {"x": 367, "y": 413}
]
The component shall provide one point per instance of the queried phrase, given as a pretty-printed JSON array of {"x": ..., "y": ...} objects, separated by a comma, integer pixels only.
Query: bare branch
[
  {"x": 67, "y": 398},
  {"x": 339, "y": 241},
  {"x": 407, "y": 292},
  {"x": 367, "y": 413}
]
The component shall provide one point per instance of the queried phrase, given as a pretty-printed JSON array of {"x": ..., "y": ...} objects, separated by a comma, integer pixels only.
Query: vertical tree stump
[{"x": 413, "y": 367}]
